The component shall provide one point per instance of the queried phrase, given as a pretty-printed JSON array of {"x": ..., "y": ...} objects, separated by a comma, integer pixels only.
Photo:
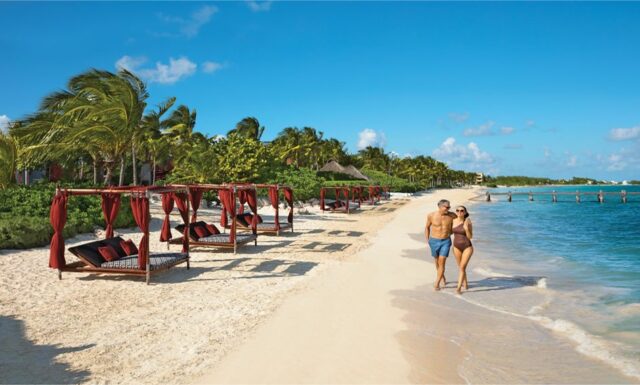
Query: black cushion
[
  {"x": 89, "y": 252},
  {"x": 242, "y": 219}
]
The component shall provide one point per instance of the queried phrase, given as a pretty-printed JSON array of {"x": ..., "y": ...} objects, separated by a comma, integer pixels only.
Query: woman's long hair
[{"x": 466, "y": 212}]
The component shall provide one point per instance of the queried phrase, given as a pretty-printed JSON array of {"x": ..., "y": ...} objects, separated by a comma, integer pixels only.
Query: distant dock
[{"x": 597, "y": 196}]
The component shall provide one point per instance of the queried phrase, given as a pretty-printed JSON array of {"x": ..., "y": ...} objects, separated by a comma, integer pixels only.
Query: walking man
[{"x": 438, "y": 233}]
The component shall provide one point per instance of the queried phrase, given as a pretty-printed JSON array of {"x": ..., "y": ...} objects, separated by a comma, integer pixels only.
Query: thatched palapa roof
[{"x": 333, "y": 166}]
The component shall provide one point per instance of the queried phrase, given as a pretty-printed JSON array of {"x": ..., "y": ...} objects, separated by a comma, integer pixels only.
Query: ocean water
[{"x": 572, "y": 267}]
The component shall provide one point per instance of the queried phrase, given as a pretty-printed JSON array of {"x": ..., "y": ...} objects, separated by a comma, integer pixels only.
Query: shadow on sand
[{"x": 23, "y": 362}]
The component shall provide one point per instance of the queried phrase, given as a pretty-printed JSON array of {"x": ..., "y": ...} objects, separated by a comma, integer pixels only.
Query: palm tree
[
  {"x": 249, "y": 127},
  {"x": 149, "y": 137},
  {"x": 8, "y": 159},
  {"x": 100, "y": 111},
  {"x": 287, "y": 145}
]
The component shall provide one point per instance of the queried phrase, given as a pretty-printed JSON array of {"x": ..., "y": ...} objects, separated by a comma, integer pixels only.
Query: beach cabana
[
  {"x": 207, "y": 234},
  {"x": 114, "y": 255},
  {"x": 342, "y": 201},
  {"x": 373, "y": 195},
  {"x": 245, "y": 220}
]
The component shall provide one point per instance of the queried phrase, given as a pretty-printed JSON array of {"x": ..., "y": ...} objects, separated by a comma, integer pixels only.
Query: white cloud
[
  {"x": 507, "y": 130},
  {"x": 482, "y": 130},
  {"x": 369, "y": 137},
  {"x": 530, "y": 123},
  {"x": 616, "y": 162},
  {"x": 130, "y": 63},
  {"x": 572, "y": 161},
  {"x": 451, "y": 152},
  {"x": 259, "y": 6},
  {"x": 625, "y": 133},
  {"x": 190, "y": 27},
  {"x": 210, "y": 67},
  {"x": 162, "y": 73},
  {"x": 4, "y": 123},
  {"x": 459, "y": 117}
]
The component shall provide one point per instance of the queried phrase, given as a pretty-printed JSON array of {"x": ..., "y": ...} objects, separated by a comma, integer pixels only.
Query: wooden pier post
[
  {"x": 509, "y": 196},
  {"x": 577, "y": 196},
  {"x": 600, "y": 197},
  {"x": 554, "y": 196},
  {"x": 623, "y": 195},
  {"x": 488, "y": 197},
  {"x": 530, "y": 196}
]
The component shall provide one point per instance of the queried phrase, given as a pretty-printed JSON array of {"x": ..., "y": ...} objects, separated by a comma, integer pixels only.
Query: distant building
[{"x": 479, "y": 178}]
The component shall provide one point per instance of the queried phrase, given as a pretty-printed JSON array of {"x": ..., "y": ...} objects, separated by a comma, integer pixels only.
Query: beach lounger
[
  {"x": 243, "y": 221},
  {"x": 92, "y": 261},
  {"x": 211, "y": 238}
]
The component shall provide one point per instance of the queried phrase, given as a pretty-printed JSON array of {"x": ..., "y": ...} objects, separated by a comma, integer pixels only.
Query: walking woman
[{"x": 462, "y": 247}]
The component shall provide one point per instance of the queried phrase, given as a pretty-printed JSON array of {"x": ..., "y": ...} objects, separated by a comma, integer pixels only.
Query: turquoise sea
[{"x": 579, "y": 264}]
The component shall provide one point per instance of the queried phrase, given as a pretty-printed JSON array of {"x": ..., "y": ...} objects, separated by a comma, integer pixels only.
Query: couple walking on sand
[{"x": 440, "y": 225}]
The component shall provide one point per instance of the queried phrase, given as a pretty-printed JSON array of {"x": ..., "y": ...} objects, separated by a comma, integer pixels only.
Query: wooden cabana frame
[
  {"x": 141, "y": 196},
  {"x": 274, "y": 198},
  {"x": 195, "y": 195}
]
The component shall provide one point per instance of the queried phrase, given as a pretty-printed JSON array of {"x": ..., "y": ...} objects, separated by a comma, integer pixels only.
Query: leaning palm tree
[{"x": 249, "y": 127}]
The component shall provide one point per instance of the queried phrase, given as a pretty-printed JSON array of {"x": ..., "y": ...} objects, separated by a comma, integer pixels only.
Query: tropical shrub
[
  {"x": 395, "y": 184},
  {"x": 24, "y": 216},
  {"x": 306, "y": 184}
]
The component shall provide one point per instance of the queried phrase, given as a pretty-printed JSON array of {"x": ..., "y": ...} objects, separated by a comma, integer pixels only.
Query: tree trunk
[
  {"x": 81, "y": 173},
  {"x": 95, "y": 172},
  {"x": 121, "y": 179},
  {"x": 133, "y": 161},
  {"x": 107, "y": 177},
  {"x": 153, "y": 175}
]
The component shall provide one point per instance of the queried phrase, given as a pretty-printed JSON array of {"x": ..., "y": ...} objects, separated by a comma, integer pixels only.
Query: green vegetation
[
  {"x": 100, "y": 131},
  {"x": 305, "y": 182},
  {"x": 24, "y": 216},
  {"x": 100, "y": 128}
]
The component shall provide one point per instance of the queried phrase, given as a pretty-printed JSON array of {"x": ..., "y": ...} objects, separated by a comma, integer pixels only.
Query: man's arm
[{"x": 427, "y": 228}]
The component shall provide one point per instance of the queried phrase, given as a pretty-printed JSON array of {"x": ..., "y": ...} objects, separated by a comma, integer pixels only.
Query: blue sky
[{"x": 540, "y": 89}]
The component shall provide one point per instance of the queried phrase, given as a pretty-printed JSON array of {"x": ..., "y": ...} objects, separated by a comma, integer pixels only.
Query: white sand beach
[
  {"x": 116, "y": 329},
  {"x": 345, "y": 299}
]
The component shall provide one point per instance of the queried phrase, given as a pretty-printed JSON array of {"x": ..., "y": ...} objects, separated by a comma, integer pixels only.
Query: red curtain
[
  {"x": 252, "y": 200},
  {"x": 140, "y": 210},
  {"x": 181, "y": 204},
  {"x": 110, "y": 206},
  {"x": 228, "y": 199},
  {"x": 242, "y": 198},
  {"x": 371, "y": 194},
  {"x": 223, "y": 214},
  {"x": 167, "y": 207},
  {"x": 337, "y": 192},
  {"x": 346, "y": 195},
  {"x": 275, "y": 203},
  {"x": 322, "y": 194},
  {"x": 58, "y": 218},
  {"x": 288, "y": 196},
  {"x": 195, "y": 198}
]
